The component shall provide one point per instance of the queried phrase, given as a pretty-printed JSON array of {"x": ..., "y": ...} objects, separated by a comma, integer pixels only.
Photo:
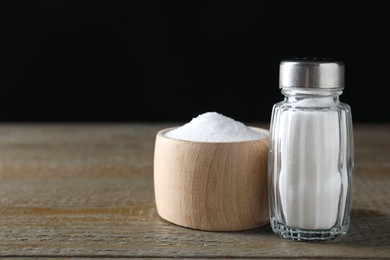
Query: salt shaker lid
[{"x": 310, "y": 72}]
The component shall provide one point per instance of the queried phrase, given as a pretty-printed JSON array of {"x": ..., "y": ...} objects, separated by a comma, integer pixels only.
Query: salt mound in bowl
[{"x": 211, "y": 174}]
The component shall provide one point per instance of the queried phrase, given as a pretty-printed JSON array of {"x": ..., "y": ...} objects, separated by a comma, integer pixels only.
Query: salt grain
[{"x": 214, "y": 127}]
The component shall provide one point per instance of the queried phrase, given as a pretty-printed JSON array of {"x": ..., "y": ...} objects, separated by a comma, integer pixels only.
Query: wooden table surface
[{"x": 86, "y": 190}]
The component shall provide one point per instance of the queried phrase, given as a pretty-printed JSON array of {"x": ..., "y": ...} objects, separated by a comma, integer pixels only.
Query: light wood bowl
[{"x": 211, "y": 186}]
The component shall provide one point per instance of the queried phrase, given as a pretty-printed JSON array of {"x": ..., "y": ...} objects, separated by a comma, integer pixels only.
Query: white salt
[
  {"x": 214, "y": 127},
  {"x": 310, "y": 180}
]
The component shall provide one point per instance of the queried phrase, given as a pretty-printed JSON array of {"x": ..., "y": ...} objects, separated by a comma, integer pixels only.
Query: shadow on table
[{"x": 368, "y": 228}]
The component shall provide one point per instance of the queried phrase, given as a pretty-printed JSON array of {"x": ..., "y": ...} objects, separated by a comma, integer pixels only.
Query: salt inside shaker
[{"x": 311, "y": 153}]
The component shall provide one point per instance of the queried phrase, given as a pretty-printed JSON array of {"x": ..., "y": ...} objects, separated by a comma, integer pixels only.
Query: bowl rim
[{"x": 161, "y": 134}]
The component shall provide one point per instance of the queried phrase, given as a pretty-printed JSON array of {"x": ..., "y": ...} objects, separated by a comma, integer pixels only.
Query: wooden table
[{"x": 86, "y": 190}]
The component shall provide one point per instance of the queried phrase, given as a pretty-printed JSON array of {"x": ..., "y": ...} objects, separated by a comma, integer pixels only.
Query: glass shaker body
[{"x": 310, "y": 164}]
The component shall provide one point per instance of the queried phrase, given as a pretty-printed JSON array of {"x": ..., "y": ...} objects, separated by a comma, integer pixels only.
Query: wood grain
[{"x": 87, "y": 191}]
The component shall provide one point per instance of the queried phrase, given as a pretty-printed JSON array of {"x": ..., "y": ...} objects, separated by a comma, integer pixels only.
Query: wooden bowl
[{"x": 219, "y": 186}]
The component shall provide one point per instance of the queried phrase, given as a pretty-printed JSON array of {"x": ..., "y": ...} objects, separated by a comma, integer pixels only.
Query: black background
[{"x": 173, "y": 60}]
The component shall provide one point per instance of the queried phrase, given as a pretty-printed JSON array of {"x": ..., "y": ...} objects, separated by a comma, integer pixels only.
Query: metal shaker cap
[{"x": 311, "y": 73}]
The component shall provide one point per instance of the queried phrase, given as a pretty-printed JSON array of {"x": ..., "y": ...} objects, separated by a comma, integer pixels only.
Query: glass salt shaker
[{"x": 311, "y": 155}]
